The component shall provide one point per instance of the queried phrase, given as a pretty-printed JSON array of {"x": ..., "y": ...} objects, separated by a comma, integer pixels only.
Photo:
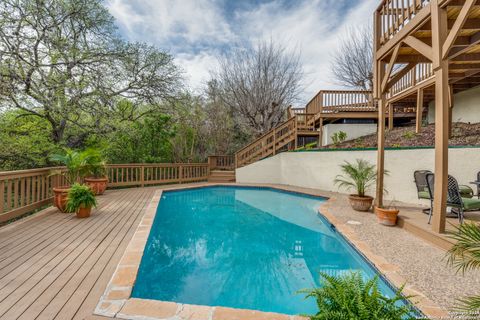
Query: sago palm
[
  {"x": 359, "y": 175},
  {"x": 75, "y": 163},
  {"x": 465, "y": 255}
]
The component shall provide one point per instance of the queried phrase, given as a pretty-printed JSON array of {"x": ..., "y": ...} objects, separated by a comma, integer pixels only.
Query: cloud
[{"x": 196, "y": 31}]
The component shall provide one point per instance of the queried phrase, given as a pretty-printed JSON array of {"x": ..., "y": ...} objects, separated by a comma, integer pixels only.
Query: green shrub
[
  {"x": 409, "y": 135},
  {"x": 80, "y": 196},
  {"x": 350, "y": 297},
  {"x": 465, "y": 256},
  {"x": 75, "y": 163},
  {"x": 339, "y": 137}
]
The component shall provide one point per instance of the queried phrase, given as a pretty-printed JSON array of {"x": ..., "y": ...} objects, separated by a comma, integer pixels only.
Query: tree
[
  {"x": 258, "y": 84},
  {"x": 353, "y": 61},
  {"x": 62, "y": 61}
]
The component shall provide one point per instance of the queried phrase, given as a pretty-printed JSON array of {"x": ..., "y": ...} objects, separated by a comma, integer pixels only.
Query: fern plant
[
  {"x": 80, "y": 196},
  {"x": 360, "y": 175},
  {"x": 465, "y": 255},
  {"x": 350, "y": 297}
]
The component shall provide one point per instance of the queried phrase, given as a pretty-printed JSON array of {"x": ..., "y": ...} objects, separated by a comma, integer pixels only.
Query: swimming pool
[{"x": 242, "y": 247}]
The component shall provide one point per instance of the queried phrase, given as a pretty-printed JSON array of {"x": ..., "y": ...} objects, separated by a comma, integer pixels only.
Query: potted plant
[
  {"x": 360, "y": 176},
  {"x": 96, "y": 177},
  {"x": 81, "y": 199},
  {"x": 75, "y": 166},
  {"x": 387, "y": 215}
]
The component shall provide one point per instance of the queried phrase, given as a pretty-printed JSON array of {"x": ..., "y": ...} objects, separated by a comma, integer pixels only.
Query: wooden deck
[{"x": 55, "y": 266}]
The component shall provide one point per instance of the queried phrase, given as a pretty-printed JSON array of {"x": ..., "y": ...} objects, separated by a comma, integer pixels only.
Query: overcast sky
[{"x": 197, "y": 31}]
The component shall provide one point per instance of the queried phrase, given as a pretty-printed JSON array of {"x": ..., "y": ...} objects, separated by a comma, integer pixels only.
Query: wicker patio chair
[
  {"x": 420, "y": 178},
  {"x": 454, "y": 198}
]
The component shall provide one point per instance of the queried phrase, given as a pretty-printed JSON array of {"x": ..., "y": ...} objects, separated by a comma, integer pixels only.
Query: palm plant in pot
[
  {"x": 74, "y": 171},
  {"x": 96, "y": 177},
  {"x": 81, "y": 199},
  {"x": 360, "y": 175}
]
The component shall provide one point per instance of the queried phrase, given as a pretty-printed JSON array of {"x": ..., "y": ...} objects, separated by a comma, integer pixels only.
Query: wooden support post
[
  {"x": 390, "y": 116},
  {"x": 142, "y": 176},
  {"x": 450, "y": 111},
  {"x": 274, "y": 141},
  {"x": 419, "y": 116},
  {"x": 380, "y": 151},
  {"x": 440, "y": 66},
  {"x": 180, "y": 173},
  {"x": 320, "y": 134}
]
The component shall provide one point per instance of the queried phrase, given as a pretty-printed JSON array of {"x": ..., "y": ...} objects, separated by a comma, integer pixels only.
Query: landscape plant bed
[{"x": 463, "y": 134}]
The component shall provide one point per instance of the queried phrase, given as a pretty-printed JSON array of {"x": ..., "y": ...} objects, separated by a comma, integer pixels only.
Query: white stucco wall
[
  {"x": 353, "y": 130},
  {"x": 466, "y": 107},
  {"x": 319, "y": 169}
]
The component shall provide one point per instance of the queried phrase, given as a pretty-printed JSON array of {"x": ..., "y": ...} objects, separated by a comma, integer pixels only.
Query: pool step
[{"x": 221, "y": 176}]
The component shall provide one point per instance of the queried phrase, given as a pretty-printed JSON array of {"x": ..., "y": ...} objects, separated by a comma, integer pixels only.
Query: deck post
[
  {"x": 390, "y": 116},
  {"x": 418, "y": 124},
  {"x": 380, "y": 151},
  {"x": 142, "y": 176},
  {"x": 320, "y": 134},
  {"x": 450, "y": 110},
  {"x": 440, "y": 66}
]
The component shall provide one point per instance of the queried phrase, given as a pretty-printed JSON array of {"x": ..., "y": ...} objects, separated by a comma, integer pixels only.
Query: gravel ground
[{"x": 421, "y": 263}]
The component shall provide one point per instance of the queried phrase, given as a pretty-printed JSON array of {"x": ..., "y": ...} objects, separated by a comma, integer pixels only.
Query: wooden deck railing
[
  {"x": 393, "y": 15},
  {"x": 221, "y": 162},
  {"x": 332, "y": 101},
  {"x": 282, "y": 138},
  {"x": 26, "y": 190},
  {"x": 421, "y": 72}
]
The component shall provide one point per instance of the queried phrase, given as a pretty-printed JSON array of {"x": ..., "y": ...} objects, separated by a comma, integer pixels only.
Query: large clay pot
[
  {"x": 60, "y": 197},
  {"x": 84, "y": 212},
  {"x": 387, "y": 217},
  {"x": 98, "y": 185},
  {"x": 360, "y": 203}
]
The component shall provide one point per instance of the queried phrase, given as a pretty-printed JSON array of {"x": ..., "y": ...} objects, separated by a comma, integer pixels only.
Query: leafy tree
[
  {"x": 63, "y": 62},
  {"x": 350, "y": 297},
  {"x": 25, "y": 141},
  {"x": 146, "y": 140}
]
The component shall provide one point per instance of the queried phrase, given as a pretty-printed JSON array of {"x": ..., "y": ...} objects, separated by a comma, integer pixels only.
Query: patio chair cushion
[
  {"x": 466, "y": 191},
  {"x": 423, "y": 195},
  {"x": 471, "y": 204}
]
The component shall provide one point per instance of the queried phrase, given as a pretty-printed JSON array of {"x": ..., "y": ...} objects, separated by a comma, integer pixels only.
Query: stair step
[{"x": 221, "y": 176}]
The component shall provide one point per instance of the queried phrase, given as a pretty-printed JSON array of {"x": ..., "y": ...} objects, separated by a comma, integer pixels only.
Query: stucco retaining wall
[
  {"x": 318, "y": 169},
  {"x": 353, "y": 130}
]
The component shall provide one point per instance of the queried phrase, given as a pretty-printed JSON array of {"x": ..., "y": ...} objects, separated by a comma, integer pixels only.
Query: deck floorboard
[{"x": 56, "y": 266}]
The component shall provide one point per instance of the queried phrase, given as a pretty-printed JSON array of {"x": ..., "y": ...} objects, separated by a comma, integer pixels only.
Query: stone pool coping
[{"x": 116, "y": 302}]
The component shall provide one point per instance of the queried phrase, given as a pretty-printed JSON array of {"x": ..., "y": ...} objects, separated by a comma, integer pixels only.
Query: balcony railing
[
  {"x": 418, "y": 74},
  {"x": 333, "y": 101},
  {"x": 393, "y": 15},
  {"x": 26, "y": 190}
]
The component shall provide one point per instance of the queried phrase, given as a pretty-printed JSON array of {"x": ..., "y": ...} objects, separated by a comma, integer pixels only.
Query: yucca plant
[
  {"x": 80, "y": 196},
  {"x": 350, "y": 297},
  {"x": 465, "y": 256},
  {"x": 74, "y": 161},
  {"x": 359, "y": 175}
]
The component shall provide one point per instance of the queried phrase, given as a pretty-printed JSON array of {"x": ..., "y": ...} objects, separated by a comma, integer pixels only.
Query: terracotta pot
[
  {"x": 60, "y": 197},
  {"x": 360, "y": 203},
  {"x": 84, "y": 212},
  {"x": 98, "y": 185},
  {"x": 387, "y": 217}
]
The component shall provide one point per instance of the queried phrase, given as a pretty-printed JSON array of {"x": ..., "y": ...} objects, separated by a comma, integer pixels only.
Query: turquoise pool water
[{"x": 250, "y": 248}]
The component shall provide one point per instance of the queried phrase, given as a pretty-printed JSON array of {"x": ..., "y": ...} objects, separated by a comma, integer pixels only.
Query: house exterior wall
[
  {"x": 466, "y": 107},
  {"x": 318, "y": 169},
  {"x": 353, "y": 130}
]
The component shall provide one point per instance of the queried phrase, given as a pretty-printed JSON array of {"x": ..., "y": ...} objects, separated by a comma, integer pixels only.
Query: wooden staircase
[
  {"x": 222, "y": 176},
  {"x": 221, "y": 169}
]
